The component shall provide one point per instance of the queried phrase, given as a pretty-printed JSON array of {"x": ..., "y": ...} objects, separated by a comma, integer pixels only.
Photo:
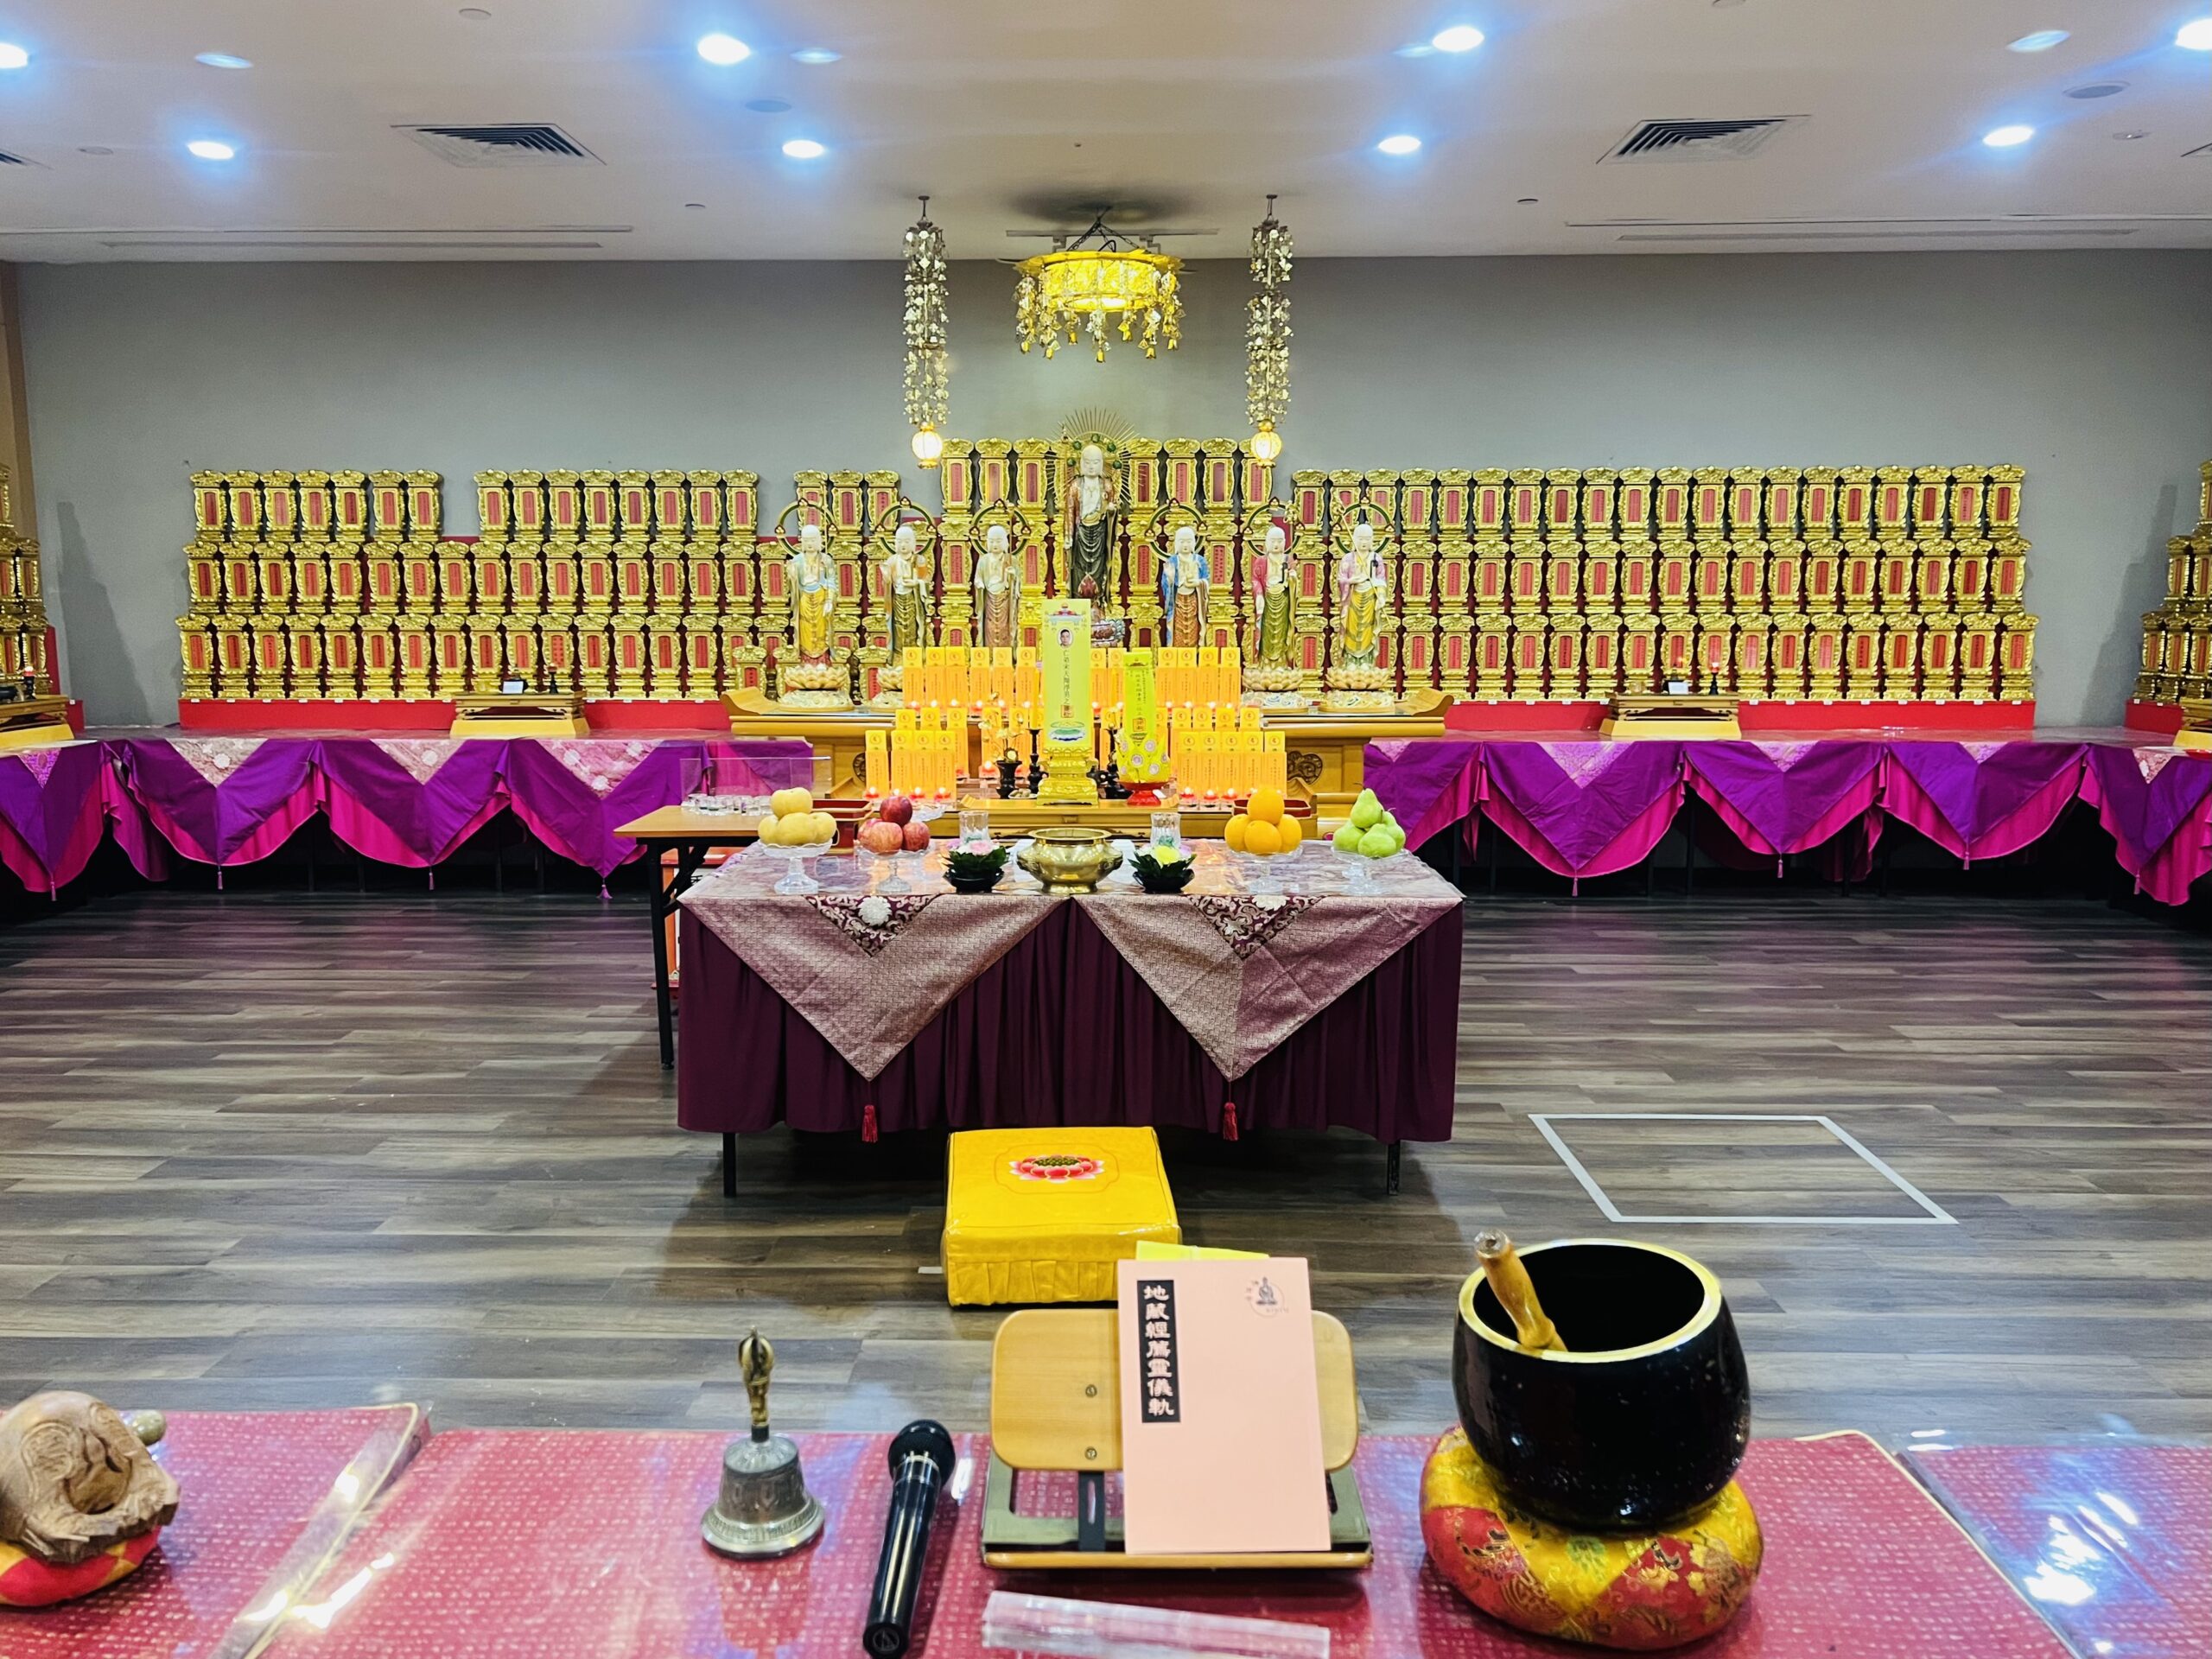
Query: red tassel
[
  {"x": 868, "y": 1122},
  {"x": 1229, "y": 1120}
]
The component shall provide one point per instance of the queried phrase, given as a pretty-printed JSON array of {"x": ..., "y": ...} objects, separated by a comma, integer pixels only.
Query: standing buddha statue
[
  {"x": 1094, "y": 509},
  {"x": 1186, "y": 580},
  {"x": 811, "y": 577},
  {"x": 907, "y": 581},
  {"x": 1361, "y": 585},
  {"x": 1276, "y": 593},
  {"x": 997, "y": 592}
]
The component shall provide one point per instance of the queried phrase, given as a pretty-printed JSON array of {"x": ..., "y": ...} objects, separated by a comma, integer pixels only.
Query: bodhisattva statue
[
  {"x": 1185, "y": 581},
  {"x": 907, "y": 579},
  {"x": 998, "y": 591},
  {"x": 1361, "y": 586},
  {"x": 811, "y": 576},
  {"x": 1275, "y": 590},
  {"x": 1094, "y": 511}
]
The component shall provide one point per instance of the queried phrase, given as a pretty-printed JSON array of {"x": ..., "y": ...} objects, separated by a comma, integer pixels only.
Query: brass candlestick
[{"x": 764, "y": 1508}]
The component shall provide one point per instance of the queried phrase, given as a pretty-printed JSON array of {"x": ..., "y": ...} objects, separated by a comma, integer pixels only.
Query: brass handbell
[{"x": 764, "y": 1508}]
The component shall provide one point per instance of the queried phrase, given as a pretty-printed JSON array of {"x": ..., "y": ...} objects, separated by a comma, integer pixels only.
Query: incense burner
[
  {"x": 1071, "y": 859},
  {"x": 1641, "y": 1418}
]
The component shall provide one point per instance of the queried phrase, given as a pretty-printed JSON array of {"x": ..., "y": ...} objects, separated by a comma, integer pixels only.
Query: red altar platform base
[
  {"x": 519, "y": 1543},
  {"x": 427, "y": 714},
  {"x": 2164, "y": 718},
  {"x": 1762, "y": 718}
]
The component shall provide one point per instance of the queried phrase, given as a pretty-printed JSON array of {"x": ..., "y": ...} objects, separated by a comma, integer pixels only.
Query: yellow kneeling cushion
[{"x": 1043, "y": 1214}]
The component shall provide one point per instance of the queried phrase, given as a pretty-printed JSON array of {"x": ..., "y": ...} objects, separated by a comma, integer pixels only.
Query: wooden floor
[{"x": 270, "y": 1151}]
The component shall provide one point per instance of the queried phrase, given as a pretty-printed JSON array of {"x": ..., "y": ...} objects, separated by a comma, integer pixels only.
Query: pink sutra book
[{"x": 1221, "y": 1417}]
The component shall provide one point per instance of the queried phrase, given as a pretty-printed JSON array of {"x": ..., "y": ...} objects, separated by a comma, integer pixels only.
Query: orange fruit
[
  {"x": 1261, "y": 838},
  {"x": 1234, "y": 835},
  {"x": 1267, "y": 806},
  {"x": 1291, "y": 833}
]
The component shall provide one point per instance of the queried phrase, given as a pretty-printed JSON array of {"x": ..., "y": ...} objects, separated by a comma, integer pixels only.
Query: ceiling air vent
[
  {"x": 1698, "y": 141},
  {"x": 529, "y": 144}
]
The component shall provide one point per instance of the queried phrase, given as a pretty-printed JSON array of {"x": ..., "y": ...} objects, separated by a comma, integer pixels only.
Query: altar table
[
  {"x": 518, "y": 1544},
  {"x": 1221, "y": 1009}
]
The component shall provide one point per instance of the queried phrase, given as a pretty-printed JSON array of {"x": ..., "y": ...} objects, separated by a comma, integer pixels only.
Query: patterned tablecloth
[
  {"x": 518, "y": 1544},
  {"x": 1250, "y": 951}
]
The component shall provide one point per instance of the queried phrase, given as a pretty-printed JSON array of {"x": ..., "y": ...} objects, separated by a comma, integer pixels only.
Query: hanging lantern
[
  {"x": 1077, "y": 289},
  {"x": 928, "y": 386},
  {"x": 1266, "y": 335}
]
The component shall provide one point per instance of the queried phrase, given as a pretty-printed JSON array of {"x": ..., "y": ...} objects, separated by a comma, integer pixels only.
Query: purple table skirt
[
  {"x": 1061, "y": 1030},
  {"x": 409, "y": 801},
  {"x": 1585, "y": 807}
]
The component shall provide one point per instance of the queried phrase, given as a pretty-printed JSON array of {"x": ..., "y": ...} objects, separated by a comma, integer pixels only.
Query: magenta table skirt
[{"x": 1060, "y": 1029}]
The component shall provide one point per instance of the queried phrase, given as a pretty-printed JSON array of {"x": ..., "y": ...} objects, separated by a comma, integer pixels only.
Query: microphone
[{"x": 921, "y": 1463}]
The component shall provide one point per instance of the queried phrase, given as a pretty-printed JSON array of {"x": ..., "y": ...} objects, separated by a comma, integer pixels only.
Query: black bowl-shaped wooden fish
[{"x": 1645, "y": 1415}]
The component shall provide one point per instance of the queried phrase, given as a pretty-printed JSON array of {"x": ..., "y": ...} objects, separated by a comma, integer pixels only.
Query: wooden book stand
[
  {"x": 518, "y": 713},
  {"x": 1056, "y": 1406},
  {"x": 1661, "y": 714}
]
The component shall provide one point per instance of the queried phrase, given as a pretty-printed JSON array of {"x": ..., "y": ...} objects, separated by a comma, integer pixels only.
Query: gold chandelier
[
  {"x": 1075, "y": 290},
  {"x": 1266, "y": 335},
  {"x": 927, "y": 366}
]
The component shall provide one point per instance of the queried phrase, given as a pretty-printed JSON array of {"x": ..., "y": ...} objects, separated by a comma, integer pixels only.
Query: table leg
[
  {"x": 690, "y": 855},
  {"x": 729, "y": 1165},
  {"x": 658, "y": 905},
  {"x": 1390, "y": 1168}
]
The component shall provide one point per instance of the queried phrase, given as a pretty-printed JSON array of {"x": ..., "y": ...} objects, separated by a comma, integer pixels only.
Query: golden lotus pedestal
[
  {"x": 1661, "y": 714},
  {"x": 518, "y": 713},
  {"x": 34, "y": 722}
]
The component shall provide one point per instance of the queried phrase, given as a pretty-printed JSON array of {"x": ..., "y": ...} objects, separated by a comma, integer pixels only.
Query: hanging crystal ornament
[
  {"x": 1266, "y": 335},
  {"x": 1075, "y": 290},
  {"x": 928, "y": 382}
]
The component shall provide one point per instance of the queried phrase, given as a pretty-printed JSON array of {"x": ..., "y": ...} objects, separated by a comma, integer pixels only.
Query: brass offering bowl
[
  {"x": 1646, "y": 1413},
  {"x": 1068, "y": 860}
]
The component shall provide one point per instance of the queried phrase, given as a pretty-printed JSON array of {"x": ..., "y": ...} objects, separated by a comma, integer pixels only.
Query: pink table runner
[
  {"x": 2156, "y": 805},
  {"x": 869, "y": 969},
  {"x": 1583, "y": 808},
  {"x": 534, "y": 1544},
  {"x": 266, "y": 1497},
  {"x": 2114, "y": 1540}
]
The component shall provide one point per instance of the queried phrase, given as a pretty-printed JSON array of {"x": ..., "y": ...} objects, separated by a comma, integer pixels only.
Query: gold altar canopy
[{"x": 1863, "y": 584}]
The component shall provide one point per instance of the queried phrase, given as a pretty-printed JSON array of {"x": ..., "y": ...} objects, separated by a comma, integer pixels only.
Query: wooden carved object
[{"x": 76, "y": 1479}]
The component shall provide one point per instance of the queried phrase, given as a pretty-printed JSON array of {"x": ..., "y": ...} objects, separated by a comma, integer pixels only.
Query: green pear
[
  {"x": 1397, "y": 836},
  {"x": 1346, "y": 840},
  {"x": 1367, "y": 811},
  {"x": 1376, "y": 842}
]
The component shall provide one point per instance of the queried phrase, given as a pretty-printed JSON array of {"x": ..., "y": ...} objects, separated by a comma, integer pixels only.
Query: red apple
[
  {"x": 881, "y": 839},
  {"x": 897, "y": 810},
  {"x": 917, "y": 837}
]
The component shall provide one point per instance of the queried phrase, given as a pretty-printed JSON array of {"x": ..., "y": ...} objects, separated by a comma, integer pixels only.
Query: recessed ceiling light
[
  {"x": 1528, "y": 201},
  {"x": 94, "y": 150},
  {"x": 724, "y": 49},
  {"x": 816, "y": 55},
  {"x": 2195, "y": 36},
  {"x": 767, "y": 105},
  {"x": 476, "y": 14},
  {"x": 2097, "y": 89},
  {"x": 802, "y": 150},
  {"x": 2130, "y": 137},
  {"x": 2005, "y": 137},
  {"x": 2041, "y": 41},
  {"x": 1399, "y": 144},
  {"x": 13, "y": 57},
  {"x": 211, "y": 150},
  {"x": 224, "y": 61},
  {"x": 697, "y": 206},
  {"x": 1461, "y": 37}
]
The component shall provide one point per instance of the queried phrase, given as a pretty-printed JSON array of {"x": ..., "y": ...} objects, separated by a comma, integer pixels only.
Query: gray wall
[{"x": 2094, "y": 370}]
